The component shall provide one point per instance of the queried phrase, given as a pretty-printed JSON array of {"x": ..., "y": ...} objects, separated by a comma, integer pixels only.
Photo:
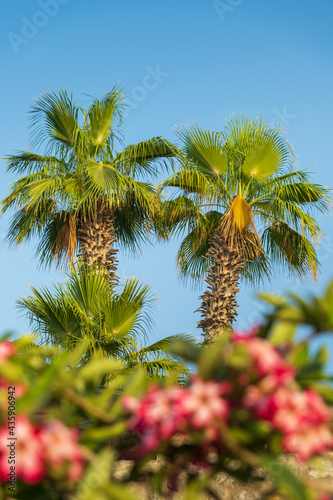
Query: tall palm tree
[
  {"x": 110, "y": 320},
  {"x": 81, "y": 195},
  {"x": 244, "y": 207}
]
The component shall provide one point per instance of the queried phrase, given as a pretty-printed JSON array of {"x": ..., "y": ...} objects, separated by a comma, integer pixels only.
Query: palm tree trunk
[
  {"x": 219, "y": 302},
  {"x": 96, "y": 237}
]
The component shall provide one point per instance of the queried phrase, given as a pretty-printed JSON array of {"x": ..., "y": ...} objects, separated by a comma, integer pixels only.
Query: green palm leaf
[
  {"x": 110, "y": 322},
  {"x": 192, "y": 260},
  {"x": 105, "y": 177},
  {"x": 205, "y": 150},
  {"x": 291, "y": 249},
  {"x": 146, "y": 156},
  {"x": 102, "y": 114},
  {"x": 55, "y": 118}
]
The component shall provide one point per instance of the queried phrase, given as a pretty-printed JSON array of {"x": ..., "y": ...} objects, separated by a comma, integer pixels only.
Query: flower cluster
[
  {"x": 267, "y": 391},
  {"x": 164, "y": 413},
  {"x": 266, "y": 361},
  {"x": 301, "y": 416},
  {"x": 46, "y": 450}
]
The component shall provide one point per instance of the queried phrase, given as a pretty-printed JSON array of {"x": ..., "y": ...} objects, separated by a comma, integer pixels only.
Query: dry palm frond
[
  {"x": 66, "y": 241},
  {"x": 239, "y": 230}
]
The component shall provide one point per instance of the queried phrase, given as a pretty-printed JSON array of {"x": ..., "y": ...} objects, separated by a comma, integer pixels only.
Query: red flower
[
  {"x": 267, "y": 361},
  {"x": 29, "y": 463},
  {"x": 309, "y": 441},
  {"x": 203, "y": 404},
  {"x": 60, "y": 445},
  {"x": 6, "y": 350},
  {"x": 163, "y": 413},
  {"x": 301, "y": 416}
]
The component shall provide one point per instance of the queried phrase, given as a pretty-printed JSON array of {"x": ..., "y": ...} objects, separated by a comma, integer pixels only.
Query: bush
[{"x": 252, "y": 397}]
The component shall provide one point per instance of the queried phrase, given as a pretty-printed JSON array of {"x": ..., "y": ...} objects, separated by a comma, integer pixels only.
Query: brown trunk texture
[
  {"x": 96, "y": 237},
  {"x": 219, "y": 302}
]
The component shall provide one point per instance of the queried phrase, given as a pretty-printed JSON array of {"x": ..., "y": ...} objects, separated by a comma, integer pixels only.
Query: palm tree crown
[
  {"x": 82, "y": 195},
  {"x": 244, "y": 207},
  {"x": 109, "y": 320}
]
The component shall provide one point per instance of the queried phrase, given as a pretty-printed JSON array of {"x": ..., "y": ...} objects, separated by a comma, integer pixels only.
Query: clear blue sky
[{"x": 179, "y": 61}]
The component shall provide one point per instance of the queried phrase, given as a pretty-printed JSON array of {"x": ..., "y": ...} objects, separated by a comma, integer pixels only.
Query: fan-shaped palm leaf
[{"x": 85, "y": 308}]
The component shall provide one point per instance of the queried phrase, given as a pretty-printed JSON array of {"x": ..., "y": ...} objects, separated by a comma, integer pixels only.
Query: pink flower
[
  {"x": 60, "y": 445},
  {"x": 293, "y": 410},
  {"x": 267, "y": 361},
  {"x": 37, "y": 449},
  {"x": 20, "y": 389},
  {"x": 75, "y": 470},
  {"x": 258, "y": 401},
  {"x": 309, "y": 441},
  {"x": 29, "y": 464},
  {"x": 301, "y": 417},
  {"x": 6, "y": 350},
  {"x": 164, "y": 413},
  {"x": 203, "y": 403}
]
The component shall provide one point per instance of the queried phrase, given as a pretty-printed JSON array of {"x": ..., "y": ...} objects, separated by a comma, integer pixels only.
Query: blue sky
[{"x": 179, "y": 61}]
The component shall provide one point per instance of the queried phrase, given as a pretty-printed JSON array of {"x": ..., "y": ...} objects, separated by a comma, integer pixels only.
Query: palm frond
[
  {"x": 192, "y": 260},
  {"x": 131, "y": 223},
  {"x": 129, "y": 312},
  {"x": 58, "y": 240},
  {"x": 50, "y": 315},
  {"x": 199, "y": 187},
  {"x": 164, "y": 344},
  {"x": 54, "y": 117},
  {"x": 102, "y": 115},
  {"x": 254, "y": 149},
  {"x": 29, "y": 221},
  {"x": 25, "y": 162},
  {"x": 145, "y": 157},
  {"x": 313, "y": 195},
  {"x": 205, "y": 150},
  {"x": 258, "y": 269},
  {"x": 290, "y": 248},
  {"x": 174, "y": 216}
]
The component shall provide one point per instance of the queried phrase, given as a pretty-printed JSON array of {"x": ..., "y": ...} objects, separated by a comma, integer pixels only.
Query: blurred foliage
[{"x": 54, "y": 383}]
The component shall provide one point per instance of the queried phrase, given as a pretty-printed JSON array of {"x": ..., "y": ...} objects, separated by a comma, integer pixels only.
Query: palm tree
[
  {"x": 82, "y": 196},
  {"x": 244, "y": 207},
  {"x": 110, "y": 321}
]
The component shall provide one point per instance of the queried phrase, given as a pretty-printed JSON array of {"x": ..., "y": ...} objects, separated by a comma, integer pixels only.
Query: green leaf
[
  {"x": 103, "y": 434},
  {"x": 102, "y": 114},
  {"x": 281, "y": 332},
  {"x": 326, "y": 391},
  {"x": 211, "y": 363},
  {"x": 185, "y": 350},
  {"x": 55, "y": 117},
  {"x": 265, "y": 157},
  {"x": 322, "y": 356},
  {"x": 97, "y": 367},
  {"x": 272, "y": 299},
  {"x": 287, "y": 482},
  {"x": 105, "y": 176},
  {"x": 97, "y": 484},
  {"x": 298, "y": 357},
  {"x": 204, "y": 149},
  {"x": 146, "y": 156}
]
